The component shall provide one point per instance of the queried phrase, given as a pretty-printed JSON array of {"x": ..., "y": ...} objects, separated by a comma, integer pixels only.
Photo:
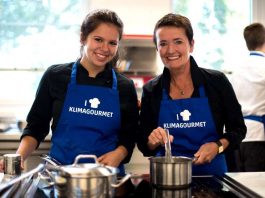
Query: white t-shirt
[{"x": 248, "y": 81}]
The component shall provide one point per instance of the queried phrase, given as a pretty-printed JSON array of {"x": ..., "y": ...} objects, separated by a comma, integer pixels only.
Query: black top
[
  {"x": 51, "y": 93},
  {"x": 223, "y": 103}
]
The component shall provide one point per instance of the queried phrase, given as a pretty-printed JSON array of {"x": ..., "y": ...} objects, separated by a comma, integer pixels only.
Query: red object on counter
[
  {"x": 139, "y": 81},
  {"x": 137, "y": 36}
]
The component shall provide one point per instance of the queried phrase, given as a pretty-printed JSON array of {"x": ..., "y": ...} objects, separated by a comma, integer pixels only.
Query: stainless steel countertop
[
  {"x": 10, "y": 140},
  {"x": 254, "y": 181}
]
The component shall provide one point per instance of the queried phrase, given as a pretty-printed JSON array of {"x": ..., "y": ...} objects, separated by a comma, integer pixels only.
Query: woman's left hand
[
  {"x": 113, "y": 158},
  {"x": 206, "y": 153}
]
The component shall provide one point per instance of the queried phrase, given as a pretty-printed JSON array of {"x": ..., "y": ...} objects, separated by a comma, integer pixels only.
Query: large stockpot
[
  {"x": 171, "y": 174},
  {"x": 86, "y": 179}
]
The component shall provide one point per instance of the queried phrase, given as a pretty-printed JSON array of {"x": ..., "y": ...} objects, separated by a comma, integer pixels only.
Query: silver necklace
[{"x": 181, "y": 91}]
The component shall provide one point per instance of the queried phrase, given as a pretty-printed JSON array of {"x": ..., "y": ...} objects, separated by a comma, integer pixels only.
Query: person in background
[
  {"x": 193, "y": 103},
  {"x": 248, "y": 81},
  {"x": 92, "y": 107}
]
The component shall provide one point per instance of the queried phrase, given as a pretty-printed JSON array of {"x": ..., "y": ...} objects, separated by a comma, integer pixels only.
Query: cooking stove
[
  {"x": 201, "y": 187},
  {"x": 140, "y": 186}
]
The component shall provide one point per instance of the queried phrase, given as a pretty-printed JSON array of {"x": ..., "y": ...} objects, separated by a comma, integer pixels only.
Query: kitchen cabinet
[
  {"x": 138, "y": 55},
  {"x": 139, "y": 59}
]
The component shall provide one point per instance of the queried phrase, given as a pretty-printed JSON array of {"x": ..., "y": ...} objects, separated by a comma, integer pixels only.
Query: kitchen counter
[
  {"x": 14, "y": 134},
  {"x": 11, "y": 139},
  {"x": 9, "y": 142}
]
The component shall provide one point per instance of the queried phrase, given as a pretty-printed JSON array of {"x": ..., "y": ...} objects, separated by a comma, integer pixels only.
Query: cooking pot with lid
[{"x": 86, "y": 179}]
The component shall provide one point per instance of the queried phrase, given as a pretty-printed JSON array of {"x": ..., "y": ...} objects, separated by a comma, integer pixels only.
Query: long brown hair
[{"x": 94, "y": 19}]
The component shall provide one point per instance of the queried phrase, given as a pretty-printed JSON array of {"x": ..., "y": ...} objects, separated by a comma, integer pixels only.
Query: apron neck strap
[
  {"x": 165, "y": 96},
  {"x": 74, "y": 71}
]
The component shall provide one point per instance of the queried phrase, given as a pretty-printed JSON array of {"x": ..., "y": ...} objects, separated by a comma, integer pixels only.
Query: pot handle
[
  {"x": 194, "y": 159},
  {"x": 78, "y": 157},
  {"x": 122, "y": 181},
  {"x": 50, "y": 160}
]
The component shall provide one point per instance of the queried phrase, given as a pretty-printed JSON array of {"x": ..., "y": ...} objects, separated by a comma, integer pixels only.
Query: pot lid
[{"x": 88, "y": 169}]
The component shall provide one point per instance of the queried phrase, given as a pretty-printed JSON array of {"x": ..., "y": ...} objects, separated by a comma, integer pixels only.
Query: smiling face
[
  {"x": 100, "y": 46},
  {"x": 173, "y": 46}
]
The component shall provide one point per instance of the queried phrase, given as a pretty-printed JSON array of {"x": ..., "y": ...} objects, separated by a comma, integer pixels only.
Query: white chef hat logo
[
  {"x": 185, "y": 115},
  {"x": 94, "y": 102}
]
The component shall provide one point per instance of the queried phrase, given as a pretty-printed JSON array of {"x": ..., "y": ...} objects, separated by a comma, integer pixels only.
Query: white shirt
[{"x": 248, "y": 81}]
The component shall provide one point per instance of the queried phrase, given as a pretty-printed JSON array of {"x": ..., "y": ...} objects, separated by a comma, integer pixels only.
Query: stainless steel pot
[
  {"x": 87, "y": 179},
  {"x": 176, "y": 173},
  {"x": 12, "y": 164},
  {"x": 171, "y": 193}
]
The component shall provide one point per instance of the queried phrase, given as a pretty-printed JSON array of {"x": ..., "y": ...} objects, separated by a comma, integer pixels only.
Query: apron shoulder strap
[
  {"x": 73, "y": 74},
  {"x": 202, "y": 91},
  {"x": 114, "y": 84}
]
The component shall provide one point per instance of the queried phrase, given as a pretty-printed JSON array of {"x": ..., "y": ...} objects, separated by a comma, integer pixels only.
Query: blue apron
[
  {"x": 190, "y": 122},
  {"x": 256, "y": 54},
  {"x": 89, "y": 122}
]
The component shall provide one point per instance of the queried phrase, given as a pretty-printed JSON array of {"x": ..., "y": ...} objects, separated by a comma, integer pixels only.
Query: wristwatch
[{"x": 220, "y": 146}]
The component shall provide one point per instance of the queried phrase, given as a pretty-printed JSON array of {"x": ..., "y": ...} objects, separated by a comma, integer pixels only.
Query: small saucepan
[{"x": 171, "y": 174}]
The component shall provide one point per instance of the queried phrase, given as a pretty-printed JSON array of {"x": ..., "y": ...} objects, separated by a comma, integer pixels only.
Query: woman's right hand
[{"x": 158, "y": 137}]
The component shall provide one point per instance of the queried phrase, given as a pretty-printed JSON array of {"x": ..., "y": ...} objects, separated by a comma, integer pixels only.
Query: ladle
[{"x": 168, "y": 148}]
